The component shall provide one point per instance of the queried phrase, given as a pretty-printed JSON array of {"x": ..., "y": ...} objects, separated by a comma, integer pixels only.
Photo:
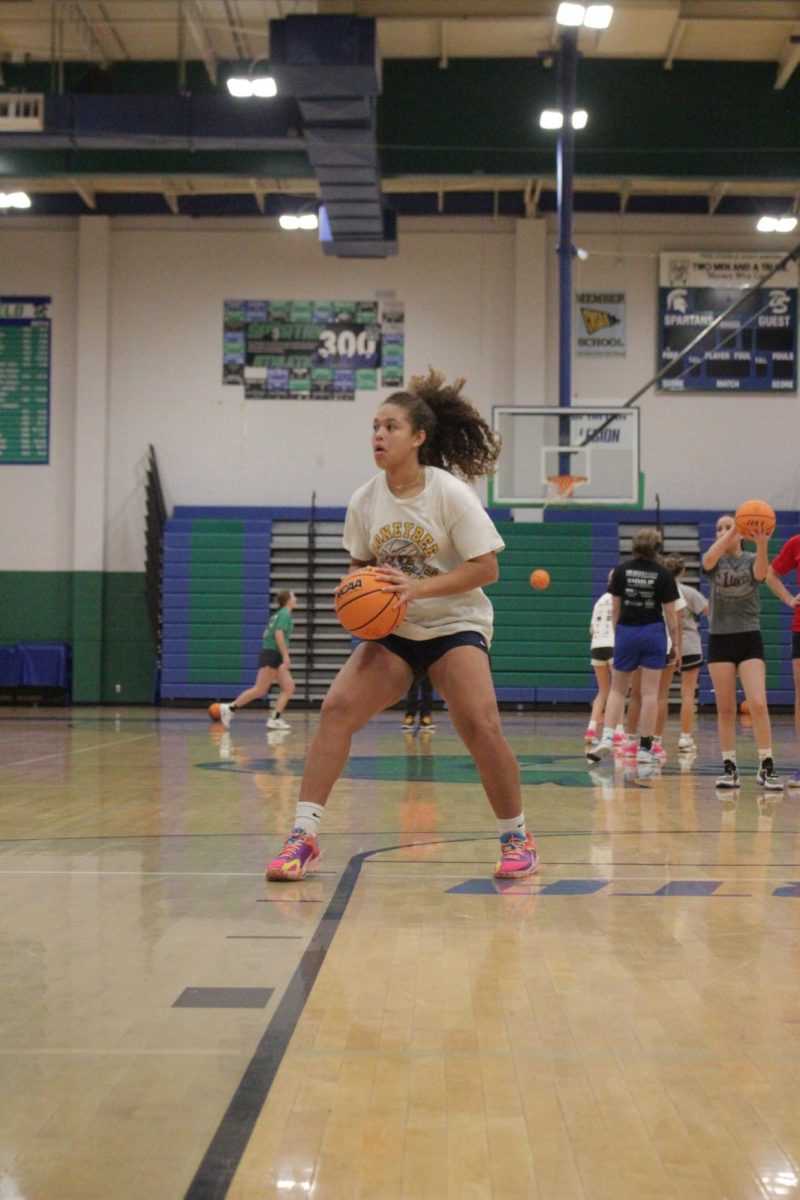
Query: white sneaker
[
  {"x": 278, "y": 723},
  {"x": 686, "y": 743},
  {"x": 768, "y": 777},
  {"x": 225, "y": 715},
  {"x": 599, "y": 751},
  {"x": 646, "y": 756}
]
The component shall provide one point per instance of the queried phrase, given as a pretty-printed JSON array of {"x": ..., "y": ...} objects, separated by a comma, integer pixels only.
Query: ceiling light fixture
[
  {"x": 303, "y": 220},
  {"x": 15, "y": 200},
  {"x": 553, "y": 118},
  {"x": 591, "y": 16},
  {"x": 776, "y": 224},
  {"x": 263, "y": 86}
]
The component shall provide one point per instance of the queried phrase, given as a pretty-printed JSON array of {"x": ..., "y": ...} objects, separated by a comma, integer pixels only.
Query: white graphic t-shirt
[
  {"x": 436, "y": 531},
  {"x": 601, "y": 622}
]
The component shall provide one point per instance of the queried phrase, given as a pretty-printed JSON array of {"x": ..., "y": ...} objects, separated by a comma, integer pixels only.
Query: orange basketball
[
  {"x": 744, "y": 708},
  {"x": 213, "y": 711},
  {"x": 755, "y": 516},
  {"x": 364, "y": 609},
  {"x": 539, "y": 579}
]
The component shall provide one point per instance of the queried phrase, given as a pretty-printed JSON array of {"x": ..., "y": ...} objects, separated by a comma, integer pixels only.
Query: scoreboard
[
  {"x": 753, "y": 350},
  {"x": 25, "y": 379}
]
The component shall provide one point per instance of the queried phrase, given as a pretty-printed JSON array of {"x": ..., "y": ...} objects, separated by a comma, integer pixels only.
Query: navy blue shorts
[
  {"x": 640, "y": 646},
  {"x": 270, "y": 658},
  {"x": 420, "y": 656}
]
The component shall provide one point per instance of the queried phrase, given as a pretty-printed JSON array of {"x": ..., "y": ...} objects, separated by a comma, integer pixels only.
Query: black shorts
[
  {"x": 602, "y": 654},
  {"x": 270, "y": 658},
  {"x": 735, "y": 647},
  {"x": 421, "y": 655},
  {"x": 795, "y": 644},
  {"x": 691, "y": 662}
]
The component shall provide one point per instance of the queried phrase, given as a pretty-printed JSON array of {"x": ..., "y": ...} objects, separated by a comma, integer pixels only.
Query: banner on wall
[
  {"x": 312, "y": 349},
  {"x": 25, "y": 380},
  {"x": 754, "y": 350},
  {"x": 599, "y": 323}
]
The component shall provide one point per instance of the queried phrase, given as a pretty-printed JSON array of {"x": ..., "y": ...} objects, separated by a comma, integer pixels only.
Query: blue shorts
[
  {"x": 640, "y": 646},
  {"x": 420, "y": 655}
]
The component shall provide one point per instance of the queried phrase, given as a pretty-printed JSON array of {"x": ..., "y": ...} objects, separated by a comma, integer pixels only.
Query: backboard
[{"x": 599, "y": 446}]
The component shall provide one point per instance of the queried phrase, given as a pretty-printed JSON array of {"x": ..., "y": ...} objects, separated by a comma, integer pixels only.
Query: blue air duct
[{"x": 331, "y": 67}]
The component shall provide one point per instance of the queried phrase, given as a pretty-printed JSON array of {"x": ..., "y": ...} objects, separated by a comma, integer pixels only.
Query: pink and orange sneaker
[
  {"x": 300, "y": 852},
  {"x": 629, "y": 749},
  {"x": 518, "y": 856}
]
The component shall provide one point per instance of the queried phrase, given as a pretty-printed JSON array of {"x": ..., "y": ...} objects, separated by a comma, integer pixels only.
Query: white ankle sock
[
  {"x": 308, "y": 816},
  {"x": 512, "y": 825}
]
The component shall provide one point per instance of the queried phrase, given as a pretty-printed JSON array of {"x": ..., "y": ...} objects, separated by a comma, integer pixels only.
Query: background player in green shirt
[{"x": 273, "y": 666}]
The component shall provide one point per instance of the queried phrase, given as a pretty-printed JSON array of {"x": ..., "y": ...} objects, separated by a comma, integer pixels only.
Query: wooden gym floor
[{"x": 626, "y": 1026}]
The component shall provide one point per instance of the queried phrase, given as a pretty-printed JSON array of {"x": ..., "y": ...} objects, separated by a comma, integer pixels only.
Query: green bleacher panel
[{"x": 541, "y": 638}]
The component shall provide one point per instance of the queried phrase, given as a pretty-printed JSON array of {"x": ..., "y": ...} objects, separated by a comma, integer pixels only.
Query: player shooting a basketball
[
  {"x": 436, "y": 548},
  {"x": 735, "y": 644}
]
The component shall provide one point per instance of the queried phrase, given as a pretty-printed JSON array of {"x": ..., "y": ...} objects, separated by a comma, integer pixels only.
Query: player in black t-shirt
[{"x": 644, "y": 594}]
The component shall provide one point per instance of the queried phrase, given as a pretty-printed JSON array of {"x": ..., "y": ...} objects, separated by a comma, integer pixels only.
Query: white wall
[{"x": 481, "y": 300}]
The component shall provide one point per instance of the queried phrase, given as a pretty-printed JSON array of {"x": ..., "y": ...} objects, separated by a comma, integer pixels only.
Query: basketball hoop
[{"x": 564, "y": 485}]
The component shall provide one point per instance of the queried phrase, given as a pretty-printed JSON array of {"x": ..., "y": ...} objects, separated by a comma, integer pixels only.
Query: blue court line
[{"x": 221, "y": 1160}]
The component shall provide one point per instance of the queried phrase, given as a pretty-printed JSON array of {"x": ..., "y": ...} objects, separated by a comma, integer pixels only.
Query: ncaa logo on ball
[{"x": 354, "y": 585}]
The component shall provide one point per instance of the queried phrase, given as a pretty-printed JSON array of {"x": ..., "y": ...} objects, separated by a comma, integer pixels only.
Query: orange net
[{"x": 565, "y": 484}]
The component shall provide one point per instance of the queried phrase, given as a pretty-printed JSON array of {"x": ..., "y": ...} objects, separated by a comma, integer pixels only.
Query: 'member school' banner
[
  {"x": 753, "y": 350},
  {"x": 600, "y": 323}
]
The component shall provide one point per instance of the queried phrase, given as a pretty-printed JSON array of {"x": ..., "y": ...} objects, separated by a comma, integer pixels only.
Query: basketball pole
[
  {"x": 695, "y": 342},
  {"x": 566, "y": 72}
]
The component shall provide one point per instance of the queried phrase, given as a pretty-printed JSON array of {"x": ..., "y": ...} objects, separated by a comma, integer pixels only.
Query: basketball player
[
  {"x": 416, "y": 513},
  {"x": 419, "y": 700},
  {"x": 601, "y": 651},
  {"x": 691, "y": 650},
  {"x": 786, "y": 560},
  {"x": 273, "y": 665},
  {"x": 644, "y": 595},
  {"x": 735, "y": 646}
]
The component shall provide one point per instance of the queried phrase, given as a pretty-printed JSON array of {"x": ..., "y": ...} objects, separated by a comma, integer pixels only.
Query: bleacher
[{"x": 218, "y": 565}]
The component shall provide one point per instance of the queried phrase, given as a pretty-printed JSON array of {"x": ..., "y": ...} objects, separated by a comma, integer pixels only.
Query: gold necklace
[{"x": 403, "y": 487}]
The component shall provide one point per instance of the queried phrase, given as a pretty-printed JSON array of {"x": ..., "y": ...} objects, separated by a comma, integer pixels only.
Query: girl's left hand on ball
[{"x": 395, "y": 580}]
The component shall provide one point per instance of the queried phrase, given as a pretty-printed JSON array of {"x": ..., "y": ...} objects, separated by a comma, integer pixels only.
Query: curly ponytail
[{"x": 457, "y": 437}]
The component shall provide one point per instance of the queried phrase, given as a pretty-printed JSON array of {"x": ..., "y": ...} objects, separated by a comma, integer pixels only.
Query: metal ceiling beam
[
  {"x": 194, "y": 23},
  {"x": 788, "y": 61},
  {"x": 675, "y": 39},
  {"x": 715, "y": 196},
  {"x": 87, "y": 194},
  {"x": 94, "y": 185}
]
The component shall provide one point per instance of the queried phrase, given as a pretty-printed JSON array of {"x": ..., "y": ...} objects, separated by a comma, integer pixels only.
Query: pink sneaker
[
  {"x": 657, "y": 749},
  {"x": 518, "y": 856},
  {"x": 590, "y": 736},
  {"x": 617, "y": 739},
  {"x": 300, "y": 852},
  {"x": 630, "y": 748}
]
